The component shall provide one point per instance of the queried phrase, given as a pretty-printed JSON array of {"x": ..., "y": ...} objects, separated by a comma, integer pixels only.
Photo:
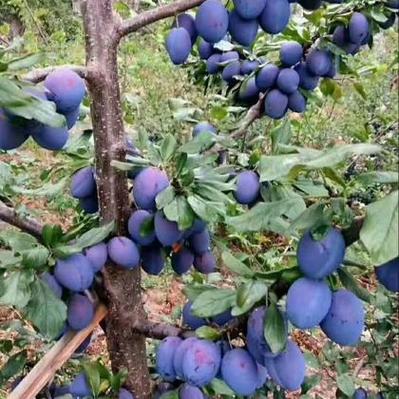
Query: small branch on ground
[
  {"x": 148, "y": 17},
  {"x": 38, "y": 75},
  {"x": 28, "y": 225}
]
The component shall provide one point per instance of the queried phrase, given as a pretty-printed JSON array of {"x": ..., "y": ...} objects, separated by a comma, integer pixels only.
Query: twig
[
  {"x": 38, "y": 75},
  {"x": 148, "y": 17},
  {"x": 31, "y": 226}
]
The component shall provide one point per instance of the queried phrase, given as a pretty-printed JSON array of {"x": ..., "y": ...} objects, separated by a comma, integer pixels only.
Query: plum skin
[
  {"x": 136, "y": 220},
  {"x": 189, "y": 319},
  {"x": 52, "y": 283},
  {"x": 97, "y": 256},
  {"x": 188, "y": 391},
  {"x": 166, "y": 231},
  {"x": 205, "y": 263},
  {"x": 388, "y": 275},
  {"x": 178, "y": 45},
  {"x": 164, "y": 358},
  {"x": 344, "y": 322},
  {"x": 123, "y": 252},
  {"x": 247, "y": 188},
  {"x": 182, "y": 261},
  {"x": 80, "y": 386},
  {"x": 275, "y": 16},
  {"x": 242, "y": 31},
  {"x": 179, "y": 355},
  {"x": 203, "y": 127},
  {"x": 291, "y": 53},
  {"x": 276, "y": 104},
  {"x": 51, "y": 138},
  {"x": 11, "y": 136},
  {"x": 267, "y": 76},
  {"x": 249, "y": 9},
  {"x": 83, "y": 183},
  {"x": 152, "y": 259},
  {"x": 80, "y": 312}
]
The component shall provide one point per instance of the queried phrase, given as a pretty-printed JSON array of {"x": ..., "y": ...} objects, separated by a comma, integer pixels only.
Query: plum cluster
[
  {"x": 66, "y": 90},
  {"x": 285, "y": 86},
  {"x": 80, "y": 388}
]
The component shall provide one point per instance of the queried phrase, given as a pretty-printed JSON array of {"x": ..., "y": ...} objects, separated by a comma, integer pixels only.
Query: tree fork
[{"x": 127, "y": 348}]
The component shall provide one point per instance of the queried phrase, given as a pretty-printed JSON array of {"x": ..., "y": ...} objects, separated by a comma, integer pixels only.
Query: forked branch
[{"x": 148, "y": 17}]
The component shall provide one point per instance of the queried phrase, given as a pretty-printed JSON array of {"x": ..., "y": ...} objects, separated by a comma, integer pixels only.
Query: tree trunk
[{"x": 123, "y": 288}]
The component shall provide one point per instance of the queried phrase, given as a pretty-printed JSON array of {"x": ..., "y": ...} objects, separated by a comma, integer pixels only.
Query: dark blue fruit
[
  {"x": 80, "y": 387},
  {"x": 125, "y": 394},
  {"x": 205, "y": 263},
  {"x": 240, "y": 372},
  {"x": 205, "y": 49},
  {"x": 288, "y": 80},
  {"x": 189, "y": 319},
  {"x": 288, "y": 368},
  {"x": 230, "y": 71},
  {"x": 291, "y": 53},
  {"x": 344, "y": 322},
  {"x": 247, "y": 187},
  {"x": 135, "y": 225},
  {"x": 179, "y": 355},
  {"x": 52, "y": 283},
  {"x": 263, "y": 376},
  {"x": 310, "y": 4},
  {"x": 83, "y": 183},
  {"x": 276, "y": 104},
  {"x": 275, "y": 16},
  {"x": 66, "y": 88},
  {"x": 247, "y": 67},
  {"x": 308, "y": 302},
  {"x": 213, "y": 64},
  {"x": 203, "y": 127},
  {"x": 360, "y": 393},
  {"x": 388, "y": 275},
  {"x": 187, "y": 22},
  {"x": 318, "y": 62},
  {"x": 72, "y": 117},
  {"x": 249, "y": 9},
  {"x": 89, "y": 204},
  {"x": 228, "y": 56},
  {"x": 243, "y": 31},
  {"x": 11, "y": 137},
  {"x": 80, "y": 312},
  {"x": 223, "y": 318},
  {"x": 164, "y": 358},
  {"x": 178, "y": 45},
  {"x": 340, "y": 36},
  {"x": 74, "y": 273},
  {"x": 200, "y": 242},
  {"x": 147, "y": 185},
  {"x": 182, "y": 261},
  {"x": 188, "y": 391},
  {"x": 249, "y": 91},
  {"x": 51, "y": 138},
  {"x": 201, "y": 363},
  {"x": 124, "y": 252},
  {"x": 307, "y": 81},
  {"x": 212, "y": 21},
  {"x": 152, "y": 259},
  {"x": 267, "y": 76},
  {"x": 319, "y": 258},
  {"x": 297, "y": 102},
  {"x": 167, "y": 232},
  {"x": 358, "y": 28}
]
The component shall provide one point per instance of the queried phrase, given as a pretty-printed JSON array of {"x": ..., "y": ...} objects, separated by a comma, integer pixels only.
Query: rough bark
[{"x": 123, "y": 288}]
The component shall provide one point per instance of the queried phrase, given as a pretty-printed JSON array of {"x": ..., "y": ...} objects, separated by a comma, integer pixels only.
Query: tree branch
[
  {"x": 38, "y": 75},
  {"x": 148, "y": 17},
  {"x": 254, "y": 113},
  {"x": 31, "y": 226}
]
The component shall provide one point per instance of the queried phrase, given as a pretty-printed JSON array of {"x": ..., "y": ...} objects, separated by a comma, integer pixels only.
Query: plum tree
[
  {"x": 249, "y": 9},
  {"x": 147, "y": 185},
  {"x": 52, "y": 283},
  {"x": 247, "y": 187},
  {"x": 275, "y": 16},
  {"x": 287, "y": 80},
  {"x": 123, "y": 252},
  {"x": 179, "y": 356},
  {"x": 201, "y": 363},
  {"x": 240, "y": 372},
  {"x": 137, "y": 221},
  {"x": 80, "y": 387},
  {"x": 166, "y": 231},
  {"x": 388, "y": 275},
  {"x": 358, "y": 29},
  {"x": 319, "y": 258},
  {"x": 288, "y": 368},
  {"x": 83, "y": 183},
  {"x": 65, "y": 88},
  {"x": 276, "y": 104},
  {"x": 11, "y": 136},
  {"x": 212, "y": 21},
  {"x": 243, "y": 31},
  {"x": 308, "y": 302},
  {"x": 291, "y": 53},
  {"x": 188, "y": 391},
  {"x": 200, "y": 242},
  {"x": 203, "y": 127},
  {"x": 318, "y": 62},
  {"x": 205, "y": 263},
  {"x": 178, "y": 45},
  {"x": 189, "y": 319},
  {"x": 80, "y": 312},
  {"x": 164, "y": 358},
  {"x": 344, "y": 322},
  {"x": 152, "y": 259},
  {"x": 97, "y": 256},
  {"x": 74, "y": 273},
  {"x": 267, "y": 76},
  {"x": 182, "y": 260},
  {"x": 297, "y": 102}
]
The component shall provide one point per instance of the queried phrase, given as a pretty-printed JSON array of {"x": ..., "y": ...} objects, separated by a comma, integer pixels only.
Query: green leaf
[
  {"x": 350, "y": 283},
  {"x": 15, "y": 288},
  {"x": 311, "y": 218},
  {"x": 35, "y": 257},
  {"x": 379, "y": 177},
  {"x": 207, "y": 332},
  {"x": 46, "y": 190},
  {"x": 379, "y": 233},
  {"x": 165, "y": 197},
  {"x": 311, "y": 188},
  {"x": 346, "y": 385},
  {"x": 275, "y": 329},
  {"x": 281, "y": 135},
  {"x": 199, "y": 144},
  {"x": 205, "y": 210},
  {"x": 360, "y": 89},
  {"x": 248, "y": 294},
  {"x": 192, "y": 291},
  {"x": 88, "y": 239},
  {"x": 17, "y": 241},
  {"x": 93, "y": 375},
  {"x": 45, "y": 310},
  {"x": 51, "y": 235},
  {"x": 236, "y": 265},
  {"x": 25, "y": 61},
  {"x": 219, "y": 387},
  {"x": 261, "y": 216},
  {"x": 275, "y": 167},
  {"x": 180, "y": 211},
  {"x": 168, "y": 147},
  {"x": 170, "y": 395},
  {"x": 14, "y": 366},
  {"x": 213, "y": 302}
]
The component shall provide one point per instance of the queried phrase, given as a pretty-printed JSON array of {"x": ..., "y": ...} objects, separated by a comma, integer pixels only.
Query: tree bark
[{"x": 123, "y": 288}]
